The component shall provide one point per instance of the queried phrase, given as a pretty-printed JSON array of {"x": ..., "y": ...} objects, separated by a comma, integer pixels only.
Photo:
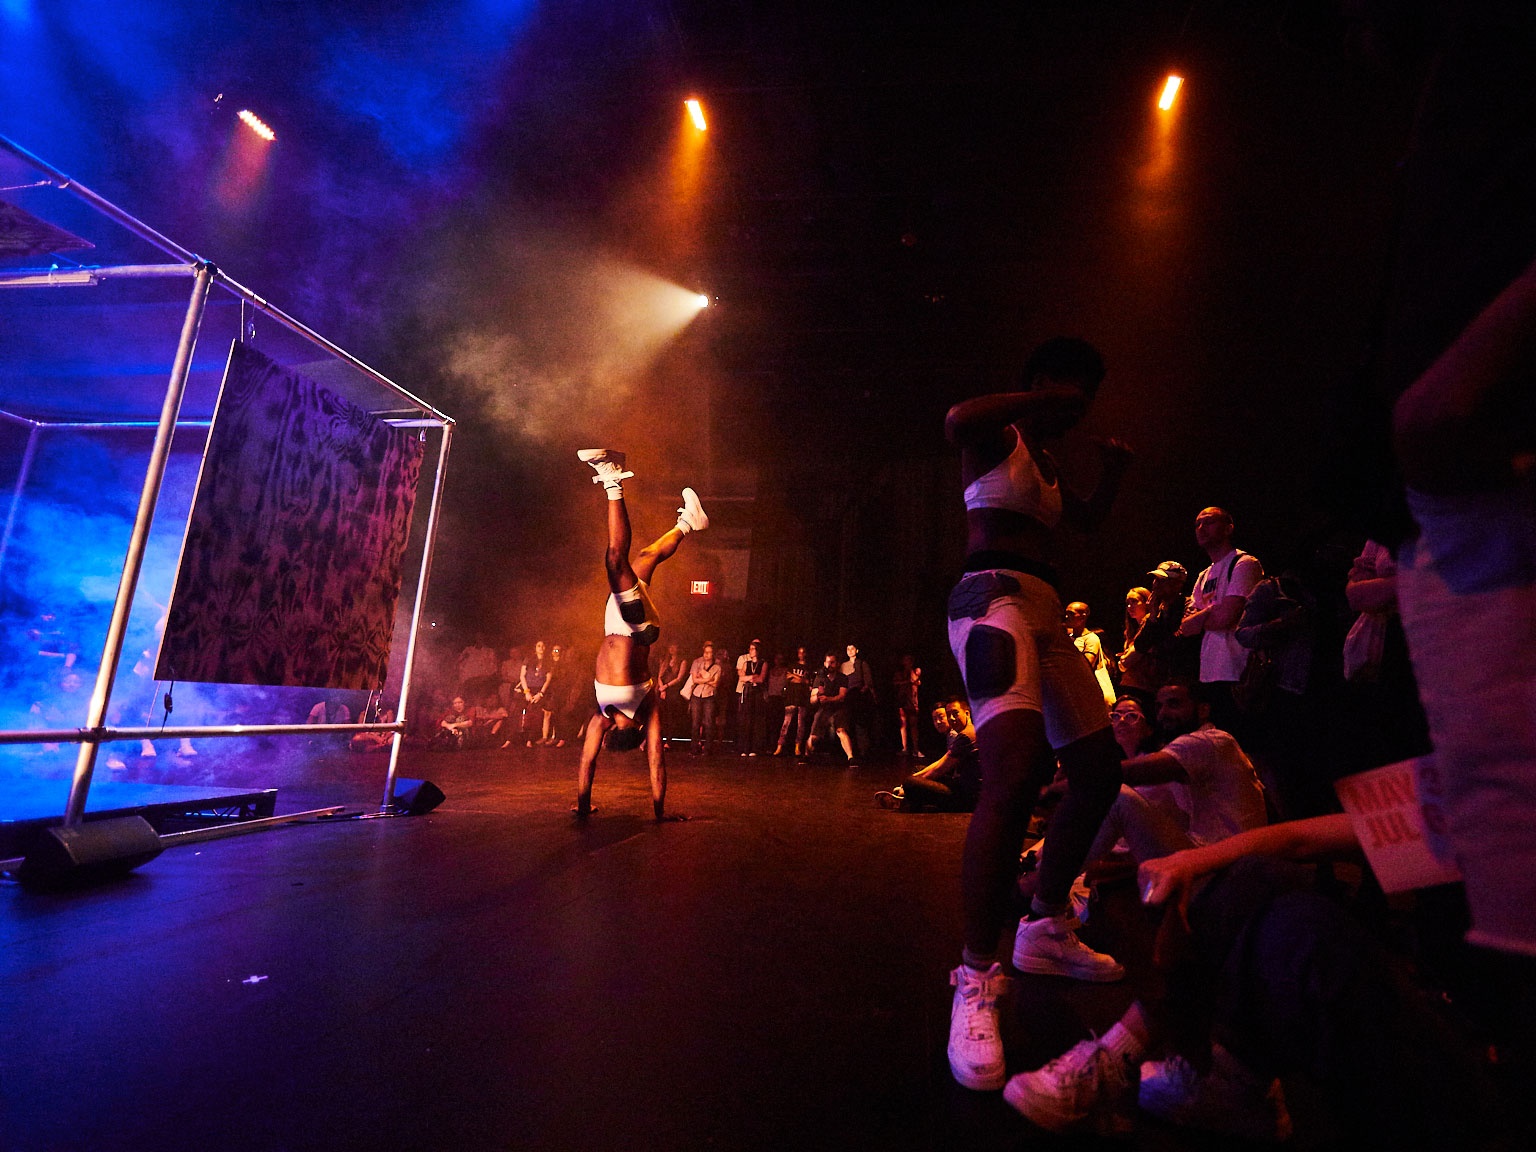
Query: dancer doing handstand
[
  {"x": 1030, "y": 690},
  {"x": 627, "y": 711}
]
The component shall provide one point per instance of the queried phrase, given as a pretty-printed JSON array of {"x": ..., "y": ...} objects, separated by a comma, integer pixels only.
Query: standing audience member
[
  {"x": 1138, "y": 608},
  {"x": 1156, "y": 656},
  {"x": 1088, "y": 643},
  {"x": 773, "y": 697},
  {"x": 1279, "y": 628},
  {"x": 906, "y": 686},
  {"x": 532, "y": 683},
  {"x": 1384, "y": 721},
  {"x": 704, "y": 680},
  {"x": 829, "y": 699},
  {"x": 1216, "y": 608},
  {"x": 860, "y": 705},
  {"x": 751, "y": 680},
  {"x": 1029, "y": 689},
  {"x": 670, "y": 678},
  {"x": 796, "y": 727}
]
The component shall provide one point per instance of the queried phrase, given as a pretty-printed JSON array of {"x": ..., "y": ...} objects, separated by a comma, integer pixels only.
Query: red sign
[{"x": 700, "y": 588}]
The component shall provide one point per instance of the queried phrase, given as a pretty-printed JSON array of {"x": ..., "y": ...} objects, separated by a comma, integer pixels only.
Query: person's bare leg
[
  {"x": 658, "y": 762},
  {"x": 842, "y": 738},
  {"x": 621, "y": 576},
  {"x": 690, "y": 518},
  {"x": 588, "y": 767}
]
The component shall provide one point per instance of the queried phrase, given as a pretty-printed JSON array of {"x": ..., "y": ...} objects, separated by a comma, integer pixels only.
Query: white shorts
[
  {"x": 626, "y": 698},
  {"x": 1007, "y": 634}
]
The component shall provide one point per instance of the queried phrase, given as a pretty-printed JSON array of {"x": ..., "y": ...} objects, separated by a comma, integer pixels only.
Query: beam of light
[
  {"x": 695, "y": 113},
  {"x": 256, "y": 124},
  {"x": 1170, "y": 91}
]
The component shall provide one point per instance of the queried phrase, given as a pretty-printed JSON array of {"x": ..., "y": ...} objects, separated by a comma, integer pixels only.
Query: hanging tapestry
[{"x": 291, "y": 566}]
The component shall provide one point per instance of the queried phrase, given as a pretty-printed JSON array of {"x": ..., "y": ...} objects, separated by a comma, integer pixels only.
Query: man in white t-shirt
[
  {"x": 1205, "y": 774},
  {"x": 1216, "y": 606}
]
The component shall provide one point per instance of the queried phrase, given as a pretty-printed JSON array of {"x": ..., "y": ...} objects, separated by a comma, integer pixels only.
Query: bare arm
[
  {"x": 976, "y": 420},
  {"x": 938, "y": 768},
  {"x": 1168, "y": 878},
  {"x": 1467, "y": 423},
  {"x": 1154, "y": 768}
]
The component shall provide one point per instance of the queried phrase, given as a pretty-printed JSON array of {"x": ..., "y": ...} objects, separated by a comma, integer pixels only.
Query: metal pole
[
  {"x": 101, "y": 203},
  {"x": 421, "y": 597},
  {"x": 21, "y": 484},
  {"x": 133, "y": 561},
  {"x": 265, "y": 306}
]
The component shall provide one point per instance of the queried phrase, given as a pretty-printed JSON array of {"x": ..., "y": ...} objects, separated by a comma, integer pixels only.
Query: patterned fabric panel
[{"x": 292, "y": 562}]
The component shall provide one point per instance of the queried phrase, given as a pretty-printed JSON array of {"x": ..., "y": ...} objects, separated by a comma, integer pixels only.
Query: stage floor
[{"x": 769, "y": 974}]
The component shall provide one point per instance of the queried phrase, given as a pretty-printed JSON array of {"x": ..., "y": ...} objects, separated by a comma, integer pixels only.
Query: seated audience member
[
  {"x": 453, "y": 727},
  {"x": 829, "y": 700},
  {"x": 329, "y": 712},
  {"x": 374, "y": 741},
  {"x": 1209, "y": 790},
  {"x": 1267, "y": 978},
  {"x": 488, "y": 720},
  {"x": 953, "y": 781}
]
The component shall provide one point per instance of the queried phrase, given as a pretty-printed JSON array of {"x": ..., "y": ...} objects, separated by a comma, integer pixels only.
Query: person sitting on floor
[{"x": 953, "y": 781}]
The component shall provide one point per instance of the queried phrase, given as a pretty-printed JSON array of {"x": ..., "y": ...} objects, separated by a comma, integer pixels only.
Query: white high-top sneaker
[
  {"x": 975, "y": 1044},
  {"x": 1050, "y": 947}
]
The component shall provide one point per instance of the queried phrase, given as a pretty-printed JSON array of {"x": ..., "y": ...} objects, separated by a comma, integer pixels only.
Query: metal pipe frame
[
  {"x": 72, "y": 277},
  {"x": 133, "y": 561},
  {"x": 107, "y": 735},
  {"x": 205, "y": 275},
  {"x": 421, "y": 595}
]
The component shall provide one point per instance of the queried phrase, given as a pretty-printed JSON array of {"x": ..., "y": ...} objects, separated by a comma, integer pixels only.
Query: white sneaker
[
  {"x": 1081, "y": 897},
  {"x": 1230, "y": 1099},
  {"x": 692, "y": 512},
  {"x": 608, "y": 465},
  {"x": 1086, "y": 1088},
  {"x": 1050, "y": 947},
  {"x": 975, "y": 1044}
]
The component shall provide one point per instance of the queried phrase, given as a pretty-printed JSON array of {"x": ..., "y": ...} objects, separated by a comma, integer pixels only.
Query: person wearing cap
[
  {"x": 751, "y": 675},
  {"x": 1154, "y": 653}
]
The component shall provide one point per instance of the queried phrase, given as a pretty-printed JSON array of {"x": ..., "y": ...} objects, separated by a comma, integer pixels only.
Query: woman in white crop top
[{"x": 1030, "y": 690}]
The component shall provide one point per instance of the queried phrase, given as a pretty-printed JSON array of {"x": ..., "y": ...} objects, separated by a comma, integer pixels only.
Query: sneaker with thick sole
[
  {"x": 1085, "y": 1089},
  {"x": 1050, "y": 947},
  {"x": 608, "y": 464},
  {"x": 888, "y": 800},
  {"x": 692, "y": 512},
  {"x": 1229, "y": 1099},
  {"x": 975, "y": 1043}
]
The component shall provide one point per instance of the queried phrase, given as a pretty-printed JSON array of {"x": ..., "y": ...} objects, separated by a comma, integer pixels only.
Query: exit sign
[{"x": 700, "y": 588}]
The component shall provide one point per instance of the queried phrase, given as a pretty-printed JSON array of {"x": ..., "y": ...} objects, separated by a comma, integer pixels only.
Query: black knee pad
[
  {"x": 990, "y": 662},
  {"x": 632, "y": 612},
  {"x": 648, "y": 634}
]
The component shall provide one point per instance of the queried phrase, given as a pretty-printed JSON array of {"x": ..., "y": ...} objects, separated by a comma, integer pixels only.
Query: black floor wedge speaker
[
  {"x": 96, "y": 850},
  {"x": 416, "y": 797}
]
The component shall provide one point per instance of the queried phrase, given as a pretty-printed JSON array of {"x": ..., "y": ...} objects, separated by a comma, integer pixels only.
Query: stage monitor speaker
[
  {"x": 416, "y": 797},
  {"x": 96, "y": 850}
]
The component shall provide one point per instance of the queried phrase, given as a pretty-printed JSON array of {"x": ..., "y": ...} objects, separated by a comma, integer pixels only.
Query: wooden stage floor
[{"x": 769, "y": 974}]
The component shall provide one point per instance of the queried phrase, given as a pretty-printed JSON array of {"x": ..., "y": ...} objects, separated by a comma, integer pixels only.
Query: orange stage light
[
  {"x": 695, "y": 113},
  {"x": 256, "y": 124},
  {"x": 1170, "y": 91}
]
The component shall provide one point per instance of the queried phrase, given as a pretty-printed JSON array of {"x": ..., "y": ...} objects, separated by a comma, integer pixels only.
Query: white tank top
[{"x": 1016, "y": 484}]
